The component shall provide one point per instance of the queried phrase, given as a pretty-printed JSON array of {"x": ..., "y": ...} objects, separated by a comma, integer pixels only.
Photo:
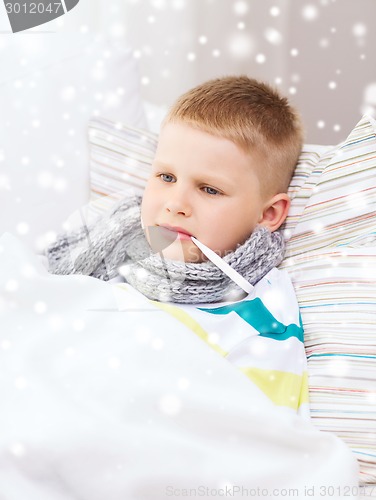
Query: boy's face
[{"x": 201, "y": 185}]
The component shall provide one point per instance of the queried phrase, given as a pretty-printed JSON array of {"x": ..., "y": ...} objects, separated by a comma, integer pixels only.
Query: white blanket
[{"x": 98, "y": 405}]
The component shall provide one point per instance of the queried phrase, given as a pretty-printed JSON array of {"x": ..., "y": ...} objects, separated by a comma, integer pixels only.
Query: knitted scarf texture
[{"x": 116, "y": 245}]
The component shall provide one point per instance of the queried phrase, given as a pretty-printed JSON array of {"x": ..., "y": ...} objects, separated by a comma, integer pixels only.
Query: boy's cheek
[{"x": 150, "y": 203}]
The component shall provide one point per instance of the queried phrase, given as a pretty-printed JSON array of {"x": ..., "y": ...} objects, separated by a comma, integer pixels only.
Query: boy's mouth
[{"x": 177, "y": 231}]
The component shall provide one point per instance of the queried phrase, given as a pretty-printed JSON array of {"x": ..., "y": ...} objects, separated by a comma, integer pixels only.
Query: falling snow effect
[
  {"x": 273, "y": 36},
  {"x": 310, "y": 12},
  {"x": 241, "y": 46},
  {"x": 326, "y": 60}
]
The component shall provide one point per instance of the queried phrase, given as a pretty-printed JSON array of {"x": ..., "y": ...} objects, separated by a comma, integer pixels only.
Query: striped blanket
[{"x": 262, "y": 335}]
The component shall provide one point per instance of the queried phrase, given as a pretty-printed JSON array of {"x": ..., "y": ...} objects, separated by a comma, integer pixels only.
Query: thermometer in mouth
[{"x": 219, "y": 262}]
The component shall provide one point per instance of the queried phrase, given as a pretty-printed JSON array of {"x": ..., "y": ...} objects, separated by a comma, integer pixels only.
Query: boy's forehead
[
  {"x": 186, "y": 130},
  {"x": 184, "y": 138},
  {"x": 189, "y": 134}
]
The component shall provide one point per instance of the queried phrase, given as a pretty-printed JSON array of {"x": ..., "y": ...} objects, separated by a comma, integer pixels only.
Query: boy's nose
[{"x": 179, "y": 204}]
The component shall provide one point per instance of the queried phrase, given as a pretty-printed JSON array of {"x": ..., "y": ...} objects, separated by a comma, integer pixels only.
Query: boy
[
  {"x": 205, "y": 232},
  {"x": 225, "y": 157}
]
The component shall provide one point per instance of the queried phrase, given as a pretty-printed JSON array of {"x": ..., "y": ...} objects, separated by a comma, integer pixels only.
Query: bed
[{"x": 97, "y": 401}]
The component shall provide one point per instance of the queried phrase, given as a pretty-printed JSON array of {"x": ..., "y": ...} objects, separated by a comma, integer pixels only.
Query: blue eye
[
  {"x": 166, "y": 177},
  {"x": 211, "y": 190}
]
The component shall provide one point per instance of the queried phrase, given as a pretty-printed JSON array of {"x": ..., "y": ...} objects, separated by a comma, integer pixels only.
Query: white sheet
[{"x": 95, "y": 405}]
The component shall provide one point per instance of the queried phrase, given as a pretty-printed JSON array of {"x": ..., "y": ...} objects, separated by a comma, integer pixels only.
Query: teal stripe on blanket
[{"x": 257, "y": 315}]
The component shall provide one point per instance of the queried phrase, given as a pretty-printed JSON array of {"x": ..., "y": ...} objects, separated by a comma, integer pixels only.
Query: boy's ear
[{"x": 275, "y": 211}]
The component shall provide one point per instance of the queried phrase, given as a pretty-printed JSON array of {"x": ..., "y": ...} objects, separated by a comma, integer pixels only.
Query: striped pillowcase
[
  {"x": 336, "y": 201},
  {"x": 331, "y": 257},
  {"x": 336, "y": 292}
]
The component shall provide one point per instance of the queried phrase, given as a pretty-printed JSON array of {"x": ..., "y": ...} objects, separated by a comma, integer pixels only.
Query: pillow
[
  {"x": 51, "y": 83},
  {"x": 339, "y": 196},
  {"x": 336, "y": 292},
  {"x": 331, "y": 258},
  {"x": 330, "y": 255}
]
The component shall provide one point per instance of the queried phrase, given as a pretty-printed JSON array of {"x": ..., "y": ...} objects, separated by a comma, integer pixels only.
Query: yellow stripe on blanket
[{"x": 281, "y": 387}]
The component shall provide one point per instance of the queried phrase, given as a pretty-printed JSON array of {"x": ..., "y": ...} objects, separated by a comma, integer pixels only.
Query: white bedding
[{"x": 99, "y": 403}]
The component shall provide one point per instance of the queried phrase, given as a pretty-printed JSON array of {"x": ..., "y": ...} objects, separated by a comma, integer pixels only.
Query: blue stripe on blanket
[{"x": 260, "y": 318}]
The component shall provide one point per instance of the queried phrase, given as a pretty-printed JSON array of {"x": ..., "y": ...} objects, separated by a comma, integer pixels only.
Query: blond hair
[{"x": 251, "y": 114}]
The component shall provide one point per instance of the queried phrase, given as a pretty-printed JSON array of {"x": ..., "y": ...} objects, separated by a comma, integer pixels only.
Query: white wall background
[{"x": 319, "y": 52}]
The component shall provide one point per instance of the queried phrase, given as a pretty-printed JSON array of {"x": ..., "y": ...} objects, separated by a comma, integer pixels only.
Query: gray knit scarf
[{"x": 116, "y": 244}]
